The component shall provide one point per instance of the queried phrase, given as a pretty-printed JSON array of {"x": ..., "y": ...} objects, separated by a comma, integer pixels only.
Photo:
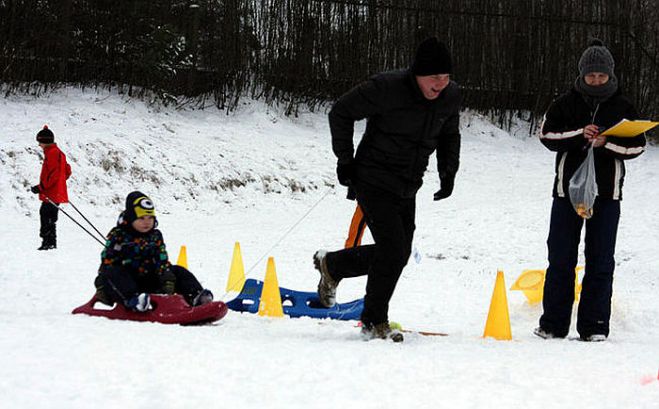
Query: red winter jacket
[{"x": 54, "y": 173}]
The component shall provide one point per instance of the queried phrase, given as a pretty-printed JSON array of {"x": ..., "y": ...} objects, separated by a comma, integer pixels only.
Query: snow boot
[
  {"x": 139, "y": 303},
  {"x": 327, "y": 285},
  {"x": 204, "y": 297},
  {"x": 47, "y": 245},
  {"x": 594, "y": 338},
  {"x": 544, "y": 334},
  {"x": 381, "y": 331}
]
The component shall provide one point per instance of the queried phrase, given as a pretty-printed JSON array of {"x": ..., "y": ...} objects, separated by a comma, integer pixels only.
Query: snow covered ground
[{"x": 250, "y": 176}]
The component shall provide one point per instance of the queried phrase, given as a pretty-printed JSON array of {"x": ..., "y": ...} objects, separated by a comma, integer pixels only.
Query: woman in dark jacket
[{"x": 573, "y": 122}]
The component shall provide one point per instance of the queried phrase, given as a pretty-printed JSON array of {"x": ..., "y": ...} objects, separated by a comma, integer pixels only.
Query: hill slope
[{"x": 250, "y": 177}]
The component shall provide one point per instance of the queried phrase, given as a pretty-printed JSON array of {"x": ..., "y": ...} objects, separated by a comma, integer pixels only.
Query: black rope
[
  {"x": 76, "y": 222},
  {"x": 90, "y": 223}
]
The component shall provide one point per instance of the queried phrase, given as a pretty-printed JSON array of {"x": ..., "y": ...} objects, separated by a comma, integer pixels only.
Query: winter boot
[
  {"x": 542, "y": 333},
  {"x": 139, "y": 303},
  {"x": 47, "y": 245},
  {"x": 381, "y": 331},
  {"x": 204, "y": 297},
  {"x": 327, "y": 285},
  {"x": 594, "y": 338}
]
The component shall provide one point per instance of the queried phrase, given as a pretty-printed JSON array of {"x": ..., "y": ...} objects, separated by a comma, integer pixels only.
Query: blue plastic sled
[{"x": 295, "y": 303}]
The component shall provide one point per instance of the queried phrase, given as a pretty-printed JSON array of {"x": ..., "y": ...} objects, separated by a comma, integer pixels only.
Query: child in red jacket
[{"x": 52, "y": 186}]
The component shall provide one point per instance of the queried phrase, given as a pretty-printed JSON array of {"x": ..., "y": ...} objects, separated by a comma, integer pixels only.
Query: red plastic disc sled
[{"x": 166, "y": 309}]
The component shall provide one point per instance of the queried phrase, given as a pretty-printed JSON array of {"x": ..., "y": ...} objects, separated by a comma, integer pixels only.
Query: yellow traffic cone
[
  {"x": 236, "y": 279},
  {"x": 532, "y": 283},
  {"x": 270, "y": 303},
  {"x": 498, "y": 319},
  {"x": 182, "y": 257}
]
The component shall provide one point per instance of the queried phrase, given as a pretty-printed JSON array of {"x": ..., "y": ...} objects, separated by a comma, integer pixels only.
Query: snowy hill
[{"x": 249, "y": 177}]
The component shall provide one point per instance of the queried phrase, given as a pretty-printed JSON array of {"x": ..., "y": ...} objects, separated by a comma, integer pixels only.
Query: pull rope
[
  {"x": 87, "y": 220},
  {"x": 283, "y": 236},
  {"x": 76, "y": 222}
]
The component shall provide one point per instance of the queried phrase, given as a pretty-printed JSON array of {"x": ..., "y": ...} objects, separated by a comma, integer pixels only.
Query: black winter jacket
[
  {"x": 562, "y": 132},
  {"x": 402, "y": 130}
]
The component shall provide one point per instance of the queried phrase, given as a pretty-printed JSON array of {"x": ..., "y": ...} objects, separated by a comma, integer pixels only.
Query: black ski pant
[
  {"x": 594, "y": 309},
  {"x": 120, "y": 285},
  {"x": 391, "y": 221},
  {"x": 48, "y": 215}
]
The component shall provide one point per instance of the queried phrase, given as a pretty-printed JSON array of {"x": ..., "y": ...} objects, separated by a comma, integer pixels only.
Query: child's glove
[
  {"x": 168, "y": 282},
  {"x": 168, "y": 287},
  {"x": 34, "y": 189}
]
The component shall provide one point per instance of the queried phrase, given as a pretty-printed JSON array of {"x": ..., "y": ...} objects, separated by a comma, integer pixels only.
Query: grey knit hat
[{"x": 596, "y": 58}]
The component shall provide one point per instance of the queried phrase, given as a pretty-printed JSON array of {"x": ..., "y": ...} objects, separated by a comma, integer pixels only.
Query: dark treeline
[{"x": 510, "y": 56}]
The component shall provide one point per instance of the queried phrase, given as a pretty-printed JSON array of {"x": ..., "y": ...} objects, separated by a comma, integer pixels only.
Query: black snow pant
[
  {"x": 563, "y": 243},
  {"x": 48, "y": 215},
  {"x": 390, "y": 219},
  {"x": 116, "y": 284}
]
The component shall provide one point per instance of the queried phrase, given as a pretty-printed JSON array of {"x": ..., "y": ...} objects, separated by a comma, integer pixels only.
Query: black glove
[
  {"x": 445, "y": 191},
  {"x": 345, "y": 172},
  {"x": 168, "y": 287},
  {"x": 352, "y": 195},
  {"x": 34, "y": 189},
  {"x": 168, "y": 282}
]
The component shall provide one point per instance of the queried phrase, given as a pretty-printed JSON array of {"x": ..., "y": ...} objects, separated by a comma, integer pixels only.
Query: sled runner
[
  {"x": 295, "y": 303},
  {"x": 166, "y": 309},
  {"x": 397, "y": 326},
  {"x": 424, "y": 333}
]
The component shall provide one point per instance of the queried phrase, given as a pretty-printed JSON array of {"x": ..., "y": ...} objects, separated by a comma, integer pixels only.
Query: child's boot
[{"x": 204, "y": 297}]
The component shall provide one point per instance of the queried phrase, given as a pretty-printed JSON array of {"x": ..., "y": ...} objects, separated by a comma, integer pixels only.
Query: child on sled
[{"x": 134, "y": 262}]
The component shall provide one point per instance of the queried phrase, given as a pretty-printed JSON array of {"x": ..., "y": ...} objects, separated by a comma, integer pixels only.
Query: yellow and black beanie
[{"x": 138, "y": 205}]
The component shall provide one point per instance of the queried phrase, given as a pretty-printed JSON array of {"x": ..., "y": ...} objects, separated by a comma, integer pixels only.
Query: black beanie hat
[
  {"x": 137, "y": 205},
  {"x": 432, "y": 57},
  {"x": 45, "y": 135},
  {"x": 596, "y": 58}
]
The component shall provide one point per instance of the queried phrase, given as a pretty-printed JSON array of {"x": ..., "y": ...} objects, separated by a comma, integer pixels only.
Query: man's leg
[
  {"x": 388, "y": 219},
  {"x": 563, "y": 246},
  {"x": 595, "y": 304},
  {"x": 350, "y": 262}
]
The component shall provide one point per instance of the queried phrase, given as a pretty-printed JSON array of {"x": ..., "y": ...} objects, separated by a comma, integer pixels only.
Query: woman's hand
[
  {"x": 599, "y": 141},
  {"x": 590, "y": 132}
]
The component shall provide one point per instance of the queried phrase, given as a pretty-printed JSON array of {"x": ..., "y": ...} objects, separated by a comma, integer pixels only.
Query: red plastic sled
[{"x": 166, "y": 309}]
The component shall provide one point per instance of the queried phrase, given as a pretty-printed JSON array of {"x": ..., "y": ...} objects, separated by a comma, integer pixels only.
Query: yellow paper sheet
[{"x": 628, "y": 129}]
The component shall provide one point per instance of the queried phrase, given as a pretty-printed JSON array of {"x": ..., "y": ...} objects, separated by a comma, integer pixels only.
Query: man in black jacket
[{"x": 410, "y": 113}]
